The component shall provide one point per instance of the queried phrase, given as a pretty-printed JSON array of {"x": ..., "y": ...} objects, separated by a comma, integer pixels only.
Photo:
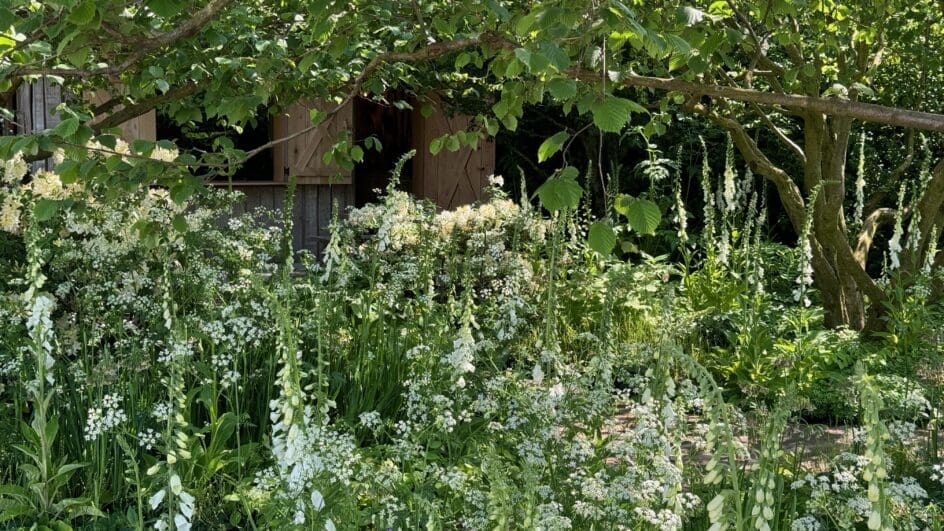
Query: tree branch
[
  {"x": 892, "y": 182},
  {"x": 186, "y": 30},
  {"x": 134, "y": 110},
  {"x": 877, "y": 219},
  {"x": 433, "y": 51},
  {"x": 867, "y": 112},
  {"x": 796, "y": 149}
]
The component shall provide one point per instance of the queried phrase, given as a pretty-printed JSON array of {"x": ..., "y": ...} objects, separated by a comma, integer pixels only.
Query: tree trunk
[{"x": 837, "y": 273}]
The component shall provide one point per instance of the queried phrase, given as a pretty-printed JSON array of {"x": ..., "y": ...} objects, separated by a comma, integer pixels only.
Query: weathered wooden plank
[
  {"x": 267, "y": 197},
  {"x": 298, "y": 228},
  {"x": 143, "y": 127},
  {"x": 326, "y": 196},
  {"x": 449, "y": 178},
  {"x": 36, "y": 111},
  {"x": 302, "y": 156},
  {"x": 310, "y": 216}
]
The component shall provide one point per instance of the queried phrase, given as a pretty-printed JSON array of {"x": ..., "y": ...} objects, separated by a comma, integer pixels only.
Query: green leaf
[
  {"x": 317, "y": 116},
  {"x": 452, "y": 143},
  {"x": 45, "y": 209},
  {"x": 180, "y": 224},
  {"x": 569, "y": 172},
  {"x": 436, "y": 145},
  {"x": 165, "y": 8},
  {"x": 562, "y": 88},
  {"x": 644, "y": 216},
  {"x": 556, "y": 55},
  {"x": 611, "y": 114},
  {"x": 66, "y": 128},
  {"x": 357, "y": 154},
  {"x": 52, "y": 429},
  {"x": 601, "y": 237},
  {"x": 560, "y": 194},
  {"x": 83, "y": 14},
  {"x": 552, "y": 145}
]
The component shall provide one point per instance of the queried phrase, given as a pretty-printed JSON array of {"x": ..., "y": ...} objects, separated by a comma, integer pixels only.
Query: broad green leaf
[
  {"x": 165, "y": 8},
  {"x": 83, "y": 14},
  {"x": 180, "y": 224},
  {"x": 569, "y": 172},
  {"x": 601, "y": 237},
  {"x": 552, "y": 145},
  {"x": 611, "y": 114},
  {"x": 556, "y": 55},
  {"x": 644, "y": 216},
  {"x": 560, "y": 194},
  {"x": 357, "y": 154},
  {"x": 562, "y": 88},
  {"x": 66, "y": 128},
  {"x": 436, "y": 145},
  {"x": 45, "y": 209}
]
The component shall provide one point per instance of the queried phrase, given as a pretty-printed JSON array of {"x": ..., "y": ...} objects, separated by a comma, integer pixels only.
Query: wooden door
[
  {"x": 449, "y": 179},
  {"x": 302, "y": 155}
]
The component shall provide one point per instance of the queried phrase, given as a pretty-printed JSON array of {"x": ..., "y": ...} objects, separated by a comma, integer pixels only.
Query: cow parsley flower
[
  {"x": 806, "y": 523},
  {"x": 104, "y": 418}
]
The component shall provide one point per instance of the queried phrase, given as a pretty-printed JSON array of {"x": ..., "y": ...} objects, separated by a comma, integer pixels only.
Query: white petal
[
  {"x": 157, "y": 498},
  {"x": 317, "y": 500}
]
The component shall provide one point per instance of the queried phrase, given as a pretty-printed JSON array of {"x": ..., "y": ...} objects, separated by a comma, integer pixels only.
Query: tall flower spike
[
  {"x": 931, "y": 252},
  {"x": 894, "y": 245},
  {"x": 805, "y": 255},
  {"x": 681, "y": 216},
  {"x": 860, "y": 184},
  {"x": 709, "y": 209},
  {"x": 729, "y": 193}
]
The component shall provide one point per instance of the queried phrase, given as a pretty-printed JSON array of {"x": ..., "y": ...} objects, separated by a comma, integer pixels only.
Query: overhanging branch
[{"x": 867, "y": 112}]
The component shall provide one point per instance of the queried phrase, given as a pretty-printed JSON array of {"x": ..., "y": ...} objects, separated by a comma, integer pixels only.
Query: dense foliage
[
  {"x": 628, "y": 344},
  {"x": 475, "y": 369}
]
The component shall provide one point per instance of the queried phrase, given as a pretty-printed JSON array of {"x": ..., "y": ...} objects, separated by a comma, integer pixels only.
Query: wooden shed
[{"x": 449, "y": 179}]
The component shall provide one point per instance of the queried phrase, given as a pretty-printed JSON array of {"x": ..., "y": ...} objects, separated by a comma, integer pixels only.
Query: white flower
[
  {"x": 14, "y": 170},
  {"x": 105, "y": 418},
  {"x": 537, "y": 374},
  {"x": 317, "y": 500},
  {"x": 158, "y": 497},
  {"x": 10, "y": 215},
  {"x": 806, "y": 523},
  {"x": 164, "y": 154}
]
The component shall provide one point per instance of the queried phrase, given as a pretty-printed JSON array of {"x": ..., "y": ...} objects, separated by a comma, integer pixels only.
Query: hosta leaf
[{"x": 601, "y": 237}]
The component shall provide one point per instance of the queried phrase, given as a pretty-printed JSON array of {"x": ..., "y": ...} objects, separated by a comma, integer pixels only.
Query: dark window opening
[
  {"x": 393, "y": 128},
  {"x": 201, "y": 136}
]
